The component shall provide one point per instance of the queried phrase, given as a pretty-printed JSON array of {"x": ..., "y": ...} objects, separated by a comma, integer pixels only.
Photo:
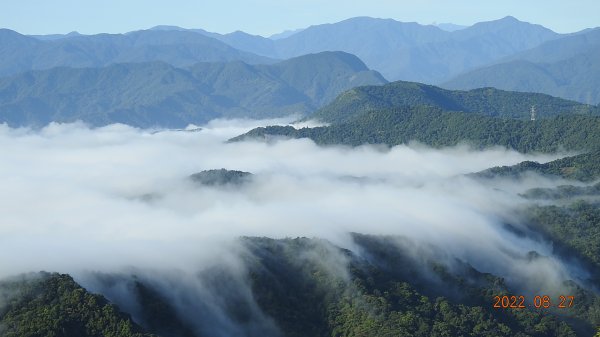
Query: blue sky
[{"x": 265, "y": 17}]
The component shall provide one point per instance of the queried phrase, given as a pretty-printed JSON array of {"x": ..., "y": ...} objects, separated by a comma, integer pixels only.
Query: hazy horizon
[
  {"x": 446, "y": 26},
  {"x": 267, "y": 17}
]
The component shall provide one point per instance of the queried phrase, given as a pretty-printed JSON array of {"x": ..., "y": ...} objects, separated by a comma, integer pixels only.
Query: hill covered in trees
[
  {"x": 486, "y": 101},
  {"x": 221, "y": 177},
  {"x": 48, "y": 304},
  {"x": 385, "y": 292},
  {"x": 435, "y": 127},
  {"x": 583, "y": 167}
]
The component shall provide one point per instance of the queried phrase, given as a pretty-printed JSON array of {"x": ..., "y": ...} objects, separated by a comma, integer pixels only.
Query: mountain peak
[
  {"x": 340, "y": 57},
  {"x": 509, "y": 18},
  {"x": 512, "y": 28},
  {"x": 506, "y": 21},
  {"x": 8, "y": 32},
  {"x": 10, "y": 36},
  {"x": 242, "y": 34}
]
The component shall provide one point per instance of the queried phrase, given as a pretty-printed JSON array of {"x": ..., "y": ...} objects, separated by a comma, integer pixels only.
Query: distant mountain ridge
[
  {"x": 398, "y": 50},
  {"x": 22, "y": 53},
  {"x": 568, "y": 67},
  {"x": 239, "y": 86},
  {"x": 450, "y": 27},
  {"x": 404, "y": 50},
  {"x": 48, "y": 37},
  {"x": 156, "y": 94},
  {"x": 286, "y": 33}
]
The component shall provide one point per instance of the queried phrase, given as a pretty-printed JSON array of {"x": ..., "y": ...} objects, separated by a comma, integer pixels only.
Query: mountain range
[
  {"x": 21, "y": 53},
  {"x": 401, "y": 112},
  {"x": 401, "y": 50},
  {"x": 568, "y": 67},
  {"x": 506, "y": 53},
  {"x": 157, "y": 94}
]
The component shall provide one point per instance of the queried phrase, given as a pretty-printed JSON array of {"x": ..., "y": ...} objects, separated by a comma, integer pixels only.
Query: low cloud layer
[{"x": 75, "y": 199}]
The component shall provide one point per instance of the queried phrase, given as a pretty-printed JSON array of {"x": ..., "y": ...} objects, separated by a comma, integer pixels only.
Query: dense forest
[
  {"x": 435, "y": 127},
  {"x": 221, "y": 177},
  {"x": 386, "y": 292},
  {"x": 389, "y": 294},
  {"x": 47, "y": 304},
  {"x": 486, "y": 101},
  {"x": 583, "y": 167}
]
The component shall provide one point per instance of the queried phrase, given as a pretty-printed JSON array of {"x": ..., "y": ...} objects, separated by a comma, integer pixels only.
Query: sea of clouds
[{"x": 80, "y": 200}]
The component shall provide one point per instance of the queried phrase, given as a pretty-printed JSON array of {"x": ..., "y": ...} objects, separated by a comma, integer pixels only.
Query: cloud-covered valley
[{"x": 77, "y": 200}]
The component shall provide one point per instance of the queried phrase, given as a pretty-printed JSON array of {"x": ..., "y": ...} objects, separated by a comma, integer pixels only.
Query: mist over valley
[{"x": 365, "y": 177}]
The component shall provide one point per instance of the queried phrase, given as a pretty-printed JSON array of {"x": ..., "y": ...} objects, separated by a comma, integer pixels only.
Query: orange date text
[{"x": 537, "y": 302}]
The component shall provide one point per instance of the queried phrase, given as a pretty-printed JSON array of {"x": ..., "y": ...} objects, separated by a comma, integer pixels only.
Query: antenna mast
[{"x": 533, "y": 112}]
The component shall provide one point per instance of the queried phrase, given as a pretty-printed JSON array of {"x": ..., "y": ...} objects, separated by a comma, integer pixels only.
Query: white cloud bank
[{"x": 74, "y": 199}]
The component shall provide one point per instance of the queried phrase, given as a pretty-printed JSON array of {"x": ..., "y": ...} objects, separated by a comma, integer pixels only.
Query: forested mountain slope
[
  {"x": 161, "y": 95},
  {"x": 385, "y": 292},
  {"x": 486, "y": 101}
]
